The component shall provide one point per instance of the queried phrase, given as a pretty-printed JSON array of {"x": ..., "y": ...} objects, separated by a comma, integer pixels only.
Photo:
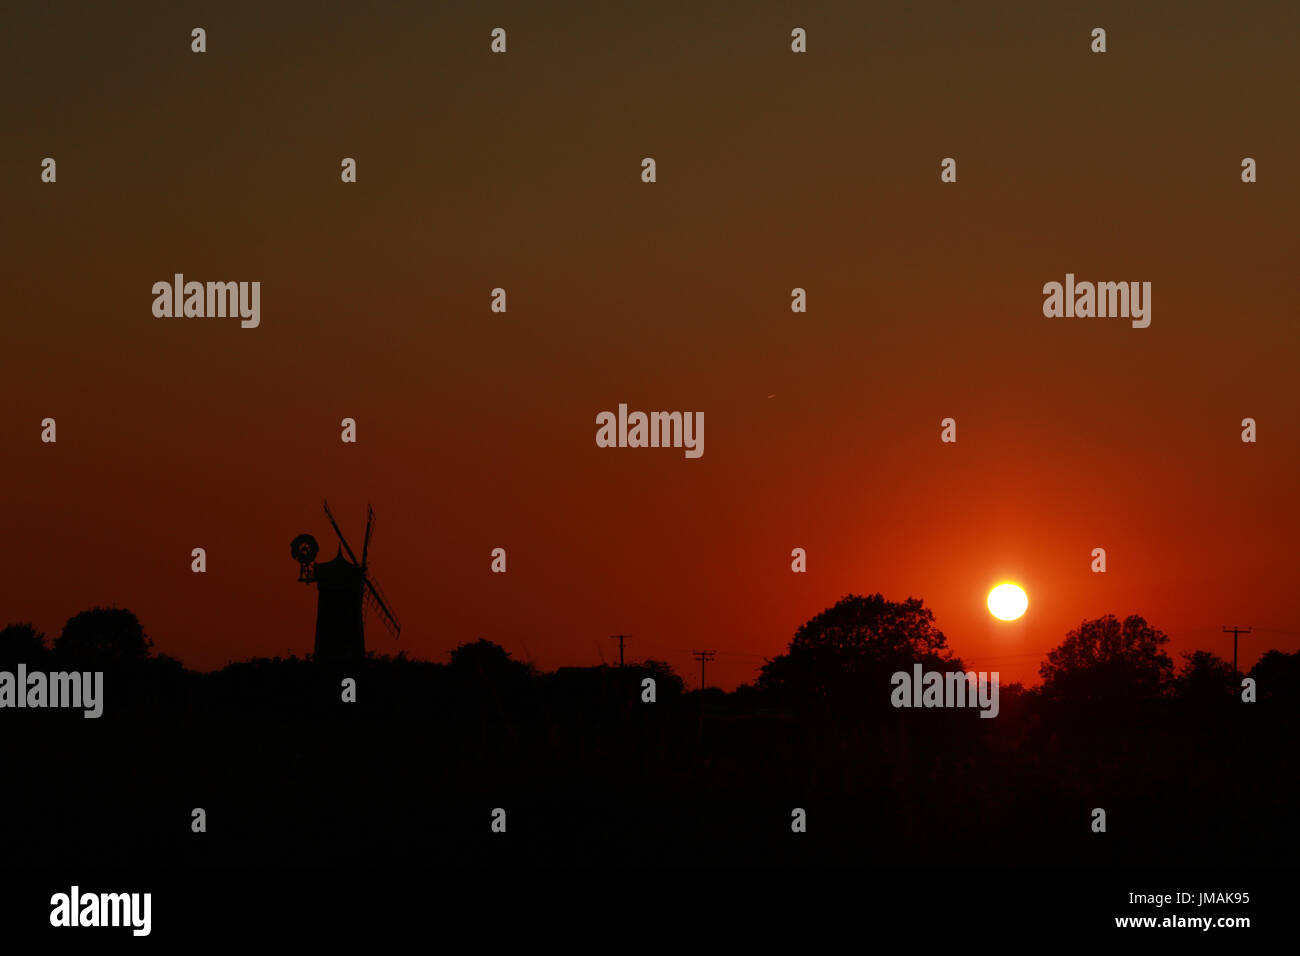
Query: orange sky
[{"x": 775, "y": 171}]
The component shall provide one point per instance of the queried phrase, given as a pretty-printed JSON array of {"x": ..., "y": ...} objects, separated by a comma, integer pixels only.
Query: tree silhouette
[
  {"x": 104, "y": 635},
  {"x": 847, "y": 653},
  {"x": 1106, "y": 659},
  {"x": 1204, "y": 677},
  {"x": 21, "y": 644},
  {"x": 667, "y": 680},
  {"x": 483, "y": 662},
  {"x": 1277, "y": 677}
]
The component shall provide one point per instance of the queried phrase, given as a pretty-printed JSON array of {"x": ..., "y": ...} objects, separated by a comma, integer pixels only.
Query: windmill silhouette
[{"x": 346, "y": 591}]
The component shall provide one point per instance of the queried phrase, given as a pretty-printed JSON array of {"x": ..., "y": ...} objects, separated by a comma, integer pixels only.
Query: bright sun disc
[{"x": 1007, "y": 602}]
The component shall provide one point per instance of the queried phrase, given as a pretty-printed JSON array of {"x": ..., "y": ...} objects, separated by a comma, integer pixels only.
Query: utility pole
[
  {"x": 1234, "y": 631},
  {"x": 620, "y": 638},
  {"x": 703, "y": 657}
]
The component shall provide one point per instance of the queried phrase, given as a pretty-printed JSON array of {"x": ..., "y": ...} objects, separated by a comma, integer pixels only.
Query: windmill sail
[
  {"x": 370, "y": 529},
  {"x": 376, "y": 601},
  {"x": 335, "y": 525}
]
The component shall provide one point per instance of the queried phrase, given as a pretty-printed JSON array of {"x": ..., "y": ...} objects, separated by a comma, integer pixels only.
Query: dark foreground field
[{"x": 587, "y": 773}]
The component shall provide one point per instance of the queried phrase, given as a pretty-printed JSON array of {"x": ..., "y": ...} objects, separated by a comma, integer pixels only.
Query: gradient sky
[{"x": 775, "y": 170}]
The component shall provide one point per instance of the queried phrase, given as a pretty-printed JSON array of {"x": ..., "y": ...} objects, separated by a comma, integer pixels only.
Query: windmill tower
[{"x": 345, "y": 592}]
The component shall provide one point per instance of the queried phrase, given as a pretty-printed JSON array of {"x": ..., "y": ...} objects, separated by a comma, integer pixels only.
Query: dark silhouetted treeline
[{"x": 589, "y": 772}]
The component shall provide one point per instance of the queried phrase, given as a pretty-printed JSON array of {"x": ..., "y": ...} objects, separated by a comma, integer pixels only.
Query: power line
[
  {"x": 620, "y": 638},
  {"x": 1234, "y": 631},
  {"x": 725, "y": 653},
  {"x": 703, "y": 657}
]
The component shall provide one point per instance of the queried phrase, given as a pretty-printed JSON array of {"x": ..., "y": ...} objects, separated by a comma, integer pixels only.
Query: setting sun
[{"x": 1008, "y": 602}]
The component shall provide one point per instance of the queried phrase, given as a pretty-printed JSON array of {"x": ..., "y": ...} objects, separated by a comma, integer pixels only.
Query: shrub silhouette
[
  {"x": 107, "y": 635},
  {"x": 489, "y": 661},
  {"x": 21, "y": 644}
]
